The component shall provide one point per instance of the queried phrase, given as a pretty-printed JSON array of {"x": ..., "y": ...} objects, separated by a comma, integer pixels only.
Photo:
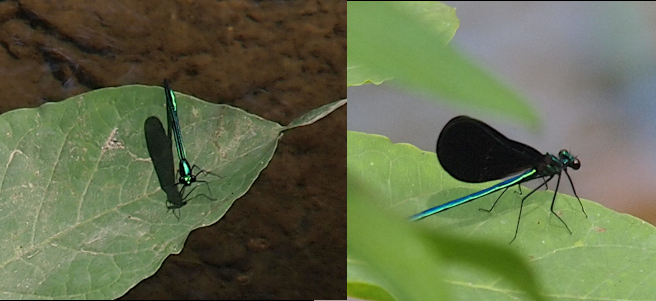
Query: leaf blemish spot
[{"x": 113, "y": 142}]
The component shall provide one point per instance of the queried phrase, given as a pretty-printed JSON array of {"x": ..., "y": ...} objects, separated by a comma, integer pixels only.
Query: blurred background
[{"x": 587, "y": 68}]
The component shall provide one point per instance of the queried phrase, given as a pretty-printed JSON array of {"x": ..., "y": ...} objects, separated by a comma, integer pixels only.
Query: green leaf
[
  {"x": 385, "y": 250},
  {"x": 437, "y": 17},
  {"x": 365, "y": 282},
  {"x": 391, "y": 40},
  {"x": 420, "y": 256},
  {"x": 81, "y": 208},
  {"x": 316, "y": 114},
  {"x": 606, "y": 258}
]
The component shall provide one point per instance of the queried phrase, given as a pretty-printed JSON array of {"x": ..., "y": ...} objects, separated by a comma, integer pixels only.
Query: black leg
[
  {"x": 175, "y": 205},
  {"x": 183, "y": 201},
  {"x": 520, "y": 189},
  {"x": 203, "y": 171},
  {"x": 553, "y": 201},
  {"x": 521, "y": 206},
  {"x": 198, "y": 181},
  {"x": 495, "y": 202},
  {"x": 577, "y": 196},
  {"x": 200, "y": 194}
]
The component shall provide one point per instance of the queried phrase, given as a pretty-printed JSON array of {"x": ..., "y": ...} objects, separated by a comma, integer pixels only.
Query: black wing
[{"x": 471, "y": 151}]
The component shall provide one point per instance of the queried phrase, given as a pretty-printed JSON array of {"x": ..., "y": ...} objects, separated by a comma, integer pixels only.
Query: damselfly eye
[{"x": 570, "y": 160}]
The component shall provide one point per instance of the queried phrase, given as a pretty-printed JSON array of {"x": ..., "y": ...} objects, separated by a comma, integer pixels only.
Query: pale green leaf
[
  {"x": 397, "y": 40},
  {"x": 608, "y": 256},
  {"x": 81, "y": 207},
  {"x": 316, "y": 114}
]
